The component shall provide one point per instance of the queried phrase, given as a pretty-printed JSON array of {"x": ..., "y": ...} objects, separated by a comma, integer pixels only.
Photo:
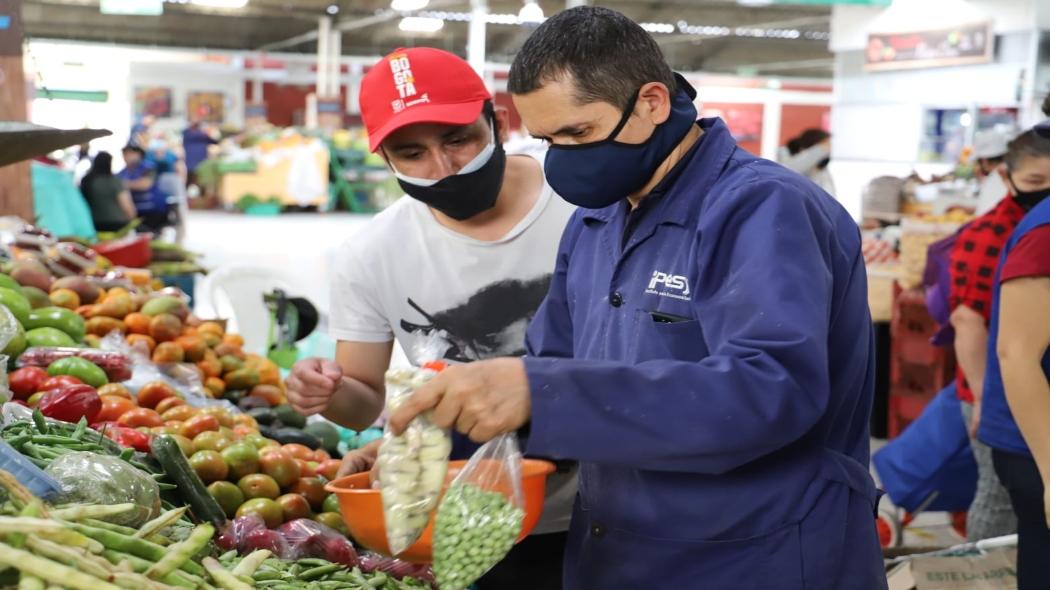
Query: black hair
[
  {"x": 793, "y": 147},
  {"x": 1046, "y": 106},
  {"x": 101, "y": 166},
  {"x": 134, "y": 148},
  {"x": 811, "y": 137},
  {"x": 607, "y": 56},
  {"x": 1034, "y": 143}
]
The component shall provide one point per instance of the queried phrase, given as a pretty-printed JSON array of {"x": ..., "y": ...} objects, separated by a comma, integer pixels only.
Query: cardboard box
[{"x": 995, "y": 570}]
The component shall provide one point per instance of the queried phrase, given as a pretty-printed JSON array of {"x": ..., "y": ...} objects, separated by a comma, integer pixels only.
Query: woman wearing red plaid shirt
[{"x": 974, "y": 262}]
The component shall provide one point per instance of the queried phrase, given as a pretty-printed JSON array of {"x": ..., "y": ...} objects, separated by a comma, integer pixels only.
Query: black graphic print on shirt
[{"x": 491, "y": 323}]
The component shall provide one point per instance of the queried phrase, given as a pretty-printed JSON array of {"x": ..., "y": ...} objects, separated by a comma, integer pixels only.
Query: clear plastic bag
[
  {"x": 309, "y": 538},
  {"x": 116, "y": 365},
  {"x": 412, "y": 465},
  {"x": 88, "y": 478},
  {"x": 481, "y": 515},
  {"x": 395, "y": 568}
]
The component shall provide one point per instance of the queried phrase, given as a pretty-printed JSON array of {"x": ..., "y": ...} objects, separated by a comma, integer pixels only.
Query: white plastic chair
[{"x": 236, "y": 293}]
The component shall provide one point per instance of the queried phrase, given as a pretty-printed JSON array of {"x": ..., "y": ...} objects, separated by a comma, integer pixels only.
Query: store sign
[
  {"x": 964, "y": 44},
  {"x": 133, "y": 7}
]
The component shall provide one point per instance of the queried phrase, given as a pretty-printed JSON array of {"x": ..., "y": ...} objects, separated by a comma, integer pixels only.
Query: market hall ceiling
[{"x": 708, "y": 35}]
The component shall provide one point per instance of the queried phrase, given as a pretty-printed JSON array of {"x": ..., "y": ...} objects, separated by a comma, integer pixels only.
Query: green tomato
[
  {"x": 82, "y": 369},
  {"x": 48, "y": 337},
  {"x": 16, "y": 302},
  {"x": 59, "y": 318},
  {"x": 8, "y": 283}
]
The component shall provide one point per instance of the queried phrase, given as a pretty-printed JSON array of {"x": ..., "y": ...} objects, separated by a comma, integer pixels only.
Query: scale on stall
[{"x": 291, "y": 319}]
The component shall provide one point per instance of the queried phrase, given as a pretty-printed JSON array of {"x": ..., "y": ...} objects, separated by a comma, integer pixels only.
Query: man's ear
[
  {"x": 655, "y": 100},
  {"x": 502, "y": 115}
]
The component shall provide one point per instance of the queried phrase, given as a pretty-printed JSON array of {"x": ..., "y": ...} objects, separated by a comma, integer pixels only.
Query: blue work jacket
[{"x": 708, "y": 359}]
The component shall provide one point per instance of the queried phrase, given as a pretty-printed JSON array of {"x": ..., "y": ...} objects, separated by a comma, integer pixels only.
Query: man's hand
[
  {"x": 481, "y": 400},
  {"x": 312, "y": 384},
  {"x": 358, "y": 460}
]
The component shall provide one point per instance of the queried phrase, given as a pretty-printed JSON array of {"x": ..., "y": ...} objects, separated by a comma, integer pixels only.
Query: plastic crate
[
  {"x": 40, "y": 483},
  {"x": 920, "y": 378},
  {"x": 905, "y": 409}
]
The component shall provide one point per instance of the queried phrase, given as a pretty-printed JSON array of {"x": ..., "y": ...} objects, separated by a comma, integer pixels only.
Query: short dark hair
[
  {"x": 1034, "y": 143},
  {"x": 134, "y": 148},
  {"x": 811, "y": 137},
  {"x": 607, "y": 55}
]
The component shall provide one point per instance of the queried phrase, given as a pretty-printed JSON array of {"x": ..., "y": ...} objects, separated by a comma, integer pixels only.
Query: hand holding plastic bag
[
  {"x": 480, "y": 516},
  {"x": 411, "y": 465}
]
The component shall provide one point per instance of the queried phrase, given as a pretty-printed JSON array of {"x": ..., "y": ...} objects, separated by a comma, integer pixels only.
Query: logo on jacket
[{"x": 668, "y": 285}]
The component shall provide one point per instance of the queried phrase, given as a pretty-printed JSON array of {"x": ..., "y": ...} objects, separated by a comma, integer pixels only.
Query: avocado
[
  {"x": 264, "y": 416},
  {"x": 324, "y": 431},
  {"x": 287, "y": 436},
  {"x": 289, "y": 417}
]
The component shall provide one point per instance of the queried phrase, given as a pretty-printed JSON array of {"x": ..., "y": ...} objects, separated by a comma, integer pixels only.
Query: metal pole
[
  {"x": 335, "y": 56},
  {"x": 479, "y": 11},
  {"x": 324, "y": 37}
]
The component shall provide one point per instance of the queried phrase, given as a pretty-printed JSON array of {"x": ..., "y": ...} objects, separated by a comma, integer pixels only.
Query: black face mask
[
  {"x": 465, "y": 194},
  {"x": 1029, "y": 199}
]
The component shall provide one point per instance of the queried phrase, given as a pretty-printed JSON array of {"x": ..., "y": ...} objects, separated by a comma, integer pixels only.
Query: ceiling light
[
  {"x": 408, "y": 5},
  {"x": 531, "y": 13},
  {"x": 220, "y": 3},
  {"x": 332, "y": 9},
  {"x": 754, "y": 2},
  {"x": 420, "y": 24}
]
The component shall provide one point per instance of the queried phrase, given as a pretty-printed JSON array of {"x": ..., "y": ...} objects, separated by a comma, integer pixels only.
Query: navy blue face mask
[{"x": 598, "y": 174}]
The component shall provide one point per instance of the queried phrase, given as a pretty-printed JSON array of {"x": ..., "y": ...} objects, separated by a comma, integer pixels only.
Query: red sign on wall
[{"x": 964, "y": 44}]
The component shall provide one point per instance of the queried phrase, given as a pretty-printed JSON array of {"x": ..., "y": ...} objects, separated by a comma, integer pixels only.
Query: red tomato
[
  {"x": 140, "y": 417},
  {"x": 113, "y": 407},
  {"x": 60, "y": 381},
  {"x": 26, "y": 381}
]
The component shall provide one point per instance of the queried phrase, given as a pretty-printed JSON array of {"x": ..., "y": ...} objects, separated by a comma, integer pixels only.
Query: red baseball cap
[{"x": 419, "y": 85}]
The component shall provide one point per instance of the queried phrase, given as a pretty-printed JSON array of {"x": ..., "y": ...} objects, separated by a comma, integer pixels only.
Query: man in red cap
[{"x": 468, "y": 257}]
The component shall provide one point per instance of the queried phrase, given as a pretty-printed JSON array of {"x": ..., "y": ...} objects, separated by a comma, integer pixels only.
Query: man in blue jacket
[{"x": 705, "y": 350}]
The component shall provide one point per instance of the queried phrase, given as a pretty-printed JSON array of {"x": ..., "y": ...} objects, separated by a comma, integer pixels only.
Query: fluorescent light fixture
[
  {"x": 531, "y": 13},
  {"x": 333, "y": 9},
  {"x": 420, "y": 24},
  {"x": 408, "y": 5},
  {"x": 658, "y": 27},
  {"x": 754, "y": 2},
  {"x": 220, "y": 3}
]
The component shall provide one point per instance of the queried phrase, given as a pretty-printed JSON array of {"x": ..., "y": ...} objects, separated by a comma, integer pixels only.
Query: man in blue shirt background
[
  {"x": 140, "y": 177},
  {"x": 705, "y": 350}
]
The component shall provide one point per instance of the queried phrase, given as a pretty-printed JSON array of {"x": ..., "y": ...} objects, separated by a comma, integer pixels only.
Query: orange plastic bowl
[{"x": 362, "y": 508}]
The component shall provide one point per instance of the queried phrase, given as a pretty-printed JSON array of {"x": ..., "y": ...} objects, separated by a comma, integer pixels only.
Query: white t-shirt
[{"x": 406, "y": 276}]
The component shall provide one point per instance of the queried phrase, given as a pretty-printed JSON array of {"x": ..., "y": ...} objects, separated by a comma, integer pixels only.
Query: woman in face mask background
[
  {"x": 809, "y": 154},
  {"x": 1015, "y": 420}
]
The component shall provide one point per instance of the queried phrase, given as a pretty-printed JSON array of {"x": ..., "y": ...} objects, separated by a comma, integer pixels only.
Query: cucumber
[{"x": 167, "y": 452}]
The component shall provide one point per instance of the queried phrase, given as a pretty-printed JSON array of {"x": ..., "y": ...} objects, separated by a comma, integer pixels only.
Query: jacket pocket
[{"x": 677, "y": 340}]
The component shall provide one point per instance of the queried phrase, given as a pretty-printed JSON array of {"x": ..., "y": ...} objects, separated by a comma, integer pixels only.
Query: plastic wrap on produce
[
  {"x": 117, "y": 365},
  {"x": 181, "y": 377},
  {"x": 89, "y": 478},
  {"x": 10, "y": 330},
  {"x": 480, "y": 516},
  {"x": 412, "y": 465},
  {"x": 395, "y": 568}
]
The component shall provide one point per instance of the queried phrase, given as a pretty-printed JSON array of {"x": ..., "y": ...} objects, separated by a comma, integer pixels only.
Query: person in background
[
  {"x": 111, "y": 205},
  {"x": 468, "y": 257},
  {"x": 83, "y": 163},
  {"x": 140, "y": 177},
  {"x": 974, "y": 260},
  {"x": 809, "y": 154},
  {"x": 195, "y": 143},
  {"x": 989, "y": 151},
  {"x": 1015, "y": 420},
  {"x": 140, "y": 131},
  {"x": 171, "y": 182}
]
